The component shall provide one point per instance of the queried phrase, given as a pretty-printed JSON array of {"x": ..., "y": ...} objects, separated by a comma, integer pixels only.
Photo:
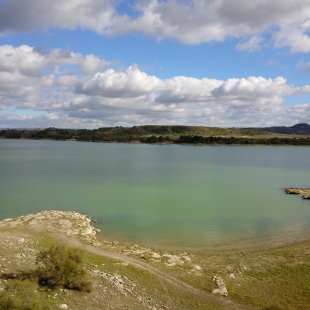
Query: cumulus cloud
[
  {"x": 252, "y": 87},
  {"x": 110, "y": 83},
  {"x": 45, "y": 83},
  {"x": 234, "y": 92},
  {"x": 29, "y": 15},
  {"x": 31, "y": 61},
  {"x": 295, "y": 35},
  {"x": 186, "y": 89},
  {"x": 190, "y": 22},
  {"x": 92, "y": 64},
  {"x": 299, "y": 113}
]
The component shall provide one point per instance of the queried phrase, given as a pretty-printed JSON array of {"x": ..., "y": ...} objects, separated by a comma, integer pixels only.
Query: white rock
[
  {"x": 187, "y": 258},
  {"x": 198, "y": 268},
  {"x": 63, "y": 306},
  {"x": 232, "y": 275},
  {"x": 156, "y": 255},
  {"x": 88, "y": 231},
  {"x": 222, "y": 290}
]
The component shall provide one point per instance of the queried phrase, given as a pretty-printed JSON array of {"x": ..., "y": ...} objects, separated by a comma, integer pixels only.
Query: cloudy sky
[{"x": 96, "y": 63}]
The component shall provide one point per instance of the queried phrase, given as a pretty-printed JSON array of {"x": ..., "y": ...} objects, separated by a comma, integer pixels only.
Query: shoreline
[
  {"x": 304, "y": 192},
  {"x": 140, "y": 276},
  {"x": 307, "y": 144}
]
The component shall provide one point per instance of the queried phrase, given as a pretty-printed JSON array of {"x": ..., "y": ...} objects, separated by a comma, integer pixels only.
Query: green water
[{"x": 162, "y": 195}]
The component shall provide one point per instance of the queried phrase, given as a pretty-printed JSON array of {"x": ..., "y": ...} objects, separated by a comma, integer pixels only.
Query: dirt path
[
  {"x": 71, "y": 228},
  {"x": 214, "y": 300}
]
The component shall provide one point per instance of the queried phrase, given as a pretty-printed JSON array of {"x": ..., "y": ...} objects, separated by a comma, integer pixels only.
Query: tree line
[{"x": 99, "y": 135}]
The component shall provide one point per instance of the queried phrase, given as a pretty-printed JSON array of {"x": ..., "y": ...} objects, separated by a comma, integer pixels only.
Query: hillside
[
  {"x": 298, "y": 129},
  {"x": 296, "y": 135}
]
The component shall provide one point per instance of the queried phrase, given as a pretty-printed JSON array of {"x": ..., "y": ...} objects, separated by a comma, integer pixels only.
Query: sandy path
[
  {"x": 213, "y": 300},
  {"x": 56, "y": 225}
]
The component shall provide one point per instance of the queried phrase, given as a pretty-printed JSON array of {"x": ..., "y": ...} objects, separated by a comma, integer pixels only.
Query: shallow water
[{"x": 189, "y": 197}]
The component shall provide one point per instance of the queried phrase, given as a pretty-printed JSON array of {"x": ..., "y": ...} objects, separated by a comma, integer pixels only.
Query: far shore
[{"x": 158, "y": 134}]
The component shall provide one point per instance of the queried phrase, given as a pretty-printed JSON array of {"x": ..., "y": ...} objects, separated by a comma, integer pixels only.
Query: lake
[{"x": 168, "y": 196}]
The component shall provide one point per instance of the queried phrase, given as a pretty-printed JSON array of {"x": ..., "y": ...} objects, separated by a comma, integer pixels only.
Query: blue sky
[{"x": 90, "y": 64}]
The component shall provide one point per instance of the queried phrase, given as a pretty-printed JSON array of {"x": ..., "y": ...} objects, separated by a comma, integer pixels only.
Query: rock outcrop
[
  {"x": 304, "y": 192},
  {"x": 222, "y": 290},
  {"x": 66, "y": 222}
]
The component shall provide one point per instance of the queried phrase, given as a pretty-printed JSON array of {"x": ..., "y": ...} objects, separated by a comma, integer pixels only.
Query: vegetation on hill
[
  {"x": 172, "y": 134},
  {"x": 61, "y": 266},
  {"x": 24, "y": 295},
  {"x": 298, "y": 129},
  {"x": 243, "y": 141}
]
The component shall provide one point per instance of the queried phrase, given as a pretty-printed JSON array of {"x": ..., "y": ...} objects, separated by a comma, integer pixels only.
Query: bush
[
  {"x": 23, "y": 295},
  {"x": 62, "y": 266}
]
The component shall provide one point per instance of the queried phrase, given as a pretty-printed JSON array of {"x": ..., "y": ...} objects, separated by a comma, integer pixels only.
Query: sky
[{"x": 102, "y": 63}]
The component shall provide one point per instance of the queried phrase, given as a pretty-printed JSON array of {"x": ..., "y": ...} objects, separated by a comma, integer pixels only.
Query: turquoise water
[{"x": 162, "y": 195}]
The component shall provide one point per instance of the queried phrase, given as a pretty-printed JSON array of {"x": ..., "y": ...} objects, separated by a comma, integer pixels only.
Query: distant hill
[
  {"x": 298, "y": 129},
  {"x": 172, "y": 134}
]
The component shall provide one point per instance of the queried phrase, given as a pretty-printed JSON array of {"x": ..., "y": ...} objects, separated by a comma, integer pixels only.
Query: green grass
[
  {"x": 280, "y": 284},
  {"x": 24, "y": 295}
]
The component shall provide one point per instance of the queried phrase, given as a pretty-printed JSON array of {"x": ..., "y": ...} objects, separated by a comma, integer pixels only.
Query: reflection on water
[{"x": 162, "y": 195}]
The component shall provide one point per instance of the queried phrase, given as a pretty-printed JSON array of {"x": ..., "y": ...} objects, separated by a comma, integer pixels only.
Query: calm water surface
[{"x": 190, "y": 197}]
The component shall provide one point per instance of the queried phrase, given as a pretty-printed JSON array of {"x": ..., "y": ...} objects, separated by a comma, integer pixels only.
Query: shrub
[
  {"x": 23, "y": 295},
  {"x": 62, "y": 266}
]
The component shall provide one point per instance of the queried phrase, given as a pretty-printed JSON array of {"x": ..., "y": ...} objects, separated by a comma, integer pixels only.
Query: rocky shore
[
  {"x": 137, "y": 277},
  {"x": 65, "y": 222},
  {"x": 304, "y": 192},
  {"x": 21, "y": 239}
]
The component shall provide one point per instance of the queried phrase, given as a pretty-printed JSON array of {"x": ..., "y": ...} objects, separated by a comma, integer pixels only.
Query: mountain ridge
[{"x": 297, "y": 129}]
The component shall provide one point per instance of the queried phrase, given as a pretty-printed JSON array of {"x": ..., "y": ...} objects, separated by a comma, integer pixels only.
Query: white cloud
[
  {"x": 214, "y": 20},
  {"x": 252, "y": 88},
  {"x": 92, "y": 64},
  {"x": 252, "y": 45},
  {"x": 295, "y": 35},
  {"x": 45, "y": 83},
  {"x": 301, "y": 64},
  {"x": 30, "y": 61},
  {"x": 110, "y": 83},
  {"x": 190, "y": 22},
  {"x": 48, "y": 120},
  {"x": 300, "y": 113},
  {"x": 29, "y": 15},
  {"x": 185, "y": 89}
]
